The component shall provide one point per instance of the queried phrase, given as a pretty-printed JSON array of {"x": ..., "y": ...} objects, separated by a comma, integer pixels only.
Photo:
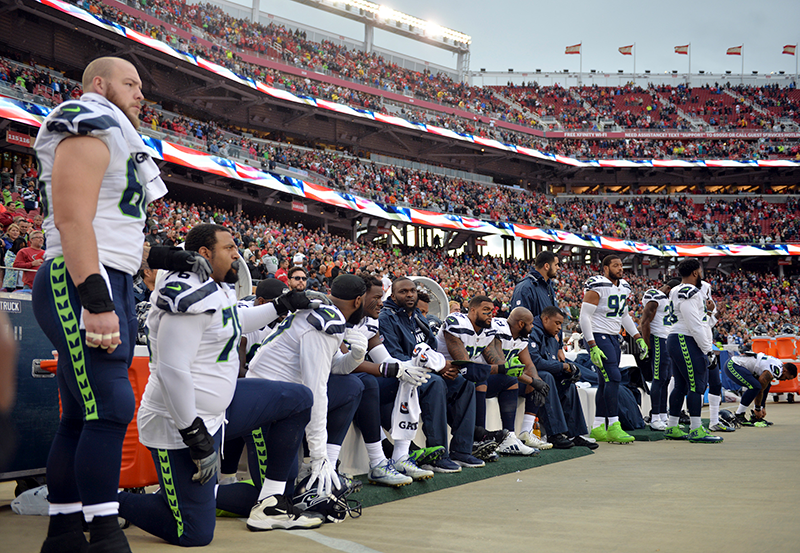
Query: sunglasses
[{"x": 299, "y": 278}]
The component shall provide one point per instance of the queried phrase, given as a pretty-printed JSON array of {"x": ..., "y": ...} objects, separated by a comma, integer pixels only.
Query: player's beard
[
  {"x": 483, "y": 324},
  {"x": 357, "y": 316},
  {"x": 111, "y": 96},
  {"x": 232, "y": 276}
]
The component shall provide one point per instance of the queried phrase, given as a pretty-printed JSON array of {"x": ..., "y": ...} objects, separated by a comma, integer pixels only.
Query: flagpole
[
  {"x": 580, "y": 67},
  {"x": 742, "y": 77},
  {"x": 690, "y": 65},
  {"x": 634, "y": 64}
]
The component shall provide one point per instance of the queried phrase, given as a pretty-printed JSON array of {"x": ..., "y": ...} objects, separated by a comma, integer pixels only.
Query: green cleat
[
  {"x": 616, "y": 435},
  {"x": 675, "y": 433},
  {"x": 599, "y": 434},
  {"x": 427, "y": 455},
  {"x": 701, "y": 436}
]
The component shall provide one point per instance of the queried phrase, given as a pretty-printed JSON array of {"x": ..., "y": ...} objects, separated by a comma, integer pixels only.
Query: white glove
[
  {"x": 324, "y": 475},
  {"x": 409, "y": 372},
  {"x": 427, "y": 357},
  {"x": 358, "y": 345}
]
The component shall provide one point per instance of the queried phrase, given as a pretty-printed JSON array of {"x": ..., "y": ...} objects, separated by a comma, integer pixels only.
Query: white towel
[
  {"x": 147, "y": 172},
  {"x": 406, "y": 412}
]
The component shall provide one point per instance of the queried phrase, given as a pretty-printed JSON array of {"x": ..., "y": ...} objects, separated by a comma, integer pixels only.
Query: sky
[{"x": 526, "y": 35}]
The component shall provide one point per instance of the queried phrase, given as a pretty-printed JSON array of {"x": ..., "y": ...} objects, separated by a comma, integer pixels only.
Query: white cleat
[
  {"x": 658, "y": 426},
  {"x": 408, "y": 467},
  {"x": 512, "y": 446},
  {"x": 532, "y": 440},
  {"x": 275, "y": 512}
]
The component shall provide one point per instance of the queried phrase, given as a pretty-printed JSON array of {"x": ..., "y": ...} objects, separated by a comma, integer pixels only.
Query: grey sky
[{"x": 526, "y": 35}]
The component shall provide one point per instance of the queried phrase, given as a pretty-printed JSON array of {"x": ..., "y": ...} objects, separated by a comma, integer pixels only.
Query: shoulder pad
[
  {"x": 624, "y": 284},
  {"x": 597, "y": 282},
  {"x": 187, "y": 295},
  {"x": 458, "y": 323},
  {"x": 687, "y": 292},
  {"x": 653, "y": 295},
  {"x": 327, "y": 319},
  {"x": 501, "y": 328},
  {"x": 80, "y": 118}
]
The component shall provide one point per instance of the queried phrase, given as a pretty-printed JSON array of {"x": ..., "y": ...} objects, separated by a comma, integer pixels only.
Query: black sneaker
[
  {"x": 560, "y": 441},
  {"x": 481, "y": 434},
  {"x": 743, "y": 420},
  {"x": 483, "y": 449},
  {"x": 580, "y": 441}
]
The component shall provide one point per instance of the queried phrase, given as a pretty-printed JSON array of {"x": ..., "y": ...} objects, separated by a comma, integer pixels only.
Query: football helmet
[{"x": 334, "y": 508}]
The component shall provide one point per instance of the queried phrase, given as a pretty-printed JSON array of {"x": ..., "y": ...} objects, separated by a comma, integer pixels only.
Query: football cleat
[
  {"x": 385, "y": 474},
  {"x": 743, "y": 420},
  {"x": 427, "y": 455},
  {"x": 275, "y": 512},
  {"x": 599, "y": 434},
  {"x": 484, "y": 448},
  {"x": 532, "y": 440},
  {"x": 721, "y": 427},
  {"x": 616, "y": 435},
  {"x": 512, "y": 446},
  {"x": 675, "y": 433},
  {"x": 493, "y": 458},
  {"x": 658, "y": 425},
  {"x": 580, "y": 441},
  {"x": 407, "y": 467},
  {"x": 701, "y": 436}
]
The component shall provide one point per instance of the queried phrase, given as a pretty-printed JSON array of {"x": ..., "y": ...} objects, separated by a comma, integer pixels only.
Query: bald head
[
  {"x": 520, "y": 314},
  {"x": 118, "y": 81}
]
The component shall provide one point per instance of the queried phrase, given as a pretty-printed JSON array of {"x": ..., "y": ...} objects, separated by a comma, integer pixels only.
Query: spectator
[{"x": 30, "y": 258}]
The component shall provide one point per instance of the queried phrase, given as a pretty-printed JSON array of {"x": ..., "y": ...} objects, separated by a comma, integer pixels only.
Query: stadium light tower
[{"x": 374, "y": 16}]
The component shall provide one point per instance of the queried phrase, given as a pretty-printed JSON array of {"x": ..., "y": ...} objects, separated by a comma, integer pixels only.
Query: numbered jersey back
[
  {"x": 120, "y": 215},
  {"x": 613, "y": 304},
  {"x": 662, "y": 322}
]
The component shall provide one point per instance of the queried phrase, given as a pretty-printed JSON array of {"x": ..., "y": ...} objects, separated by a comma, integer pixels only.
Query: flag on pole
[
  {"x": 682, "y": 50},
  {"x": 790, "y": 49},
  {"x": 735, "y": 51},
  {"x": 626, "y": 50},
  {"x": 576, "y": 49}
]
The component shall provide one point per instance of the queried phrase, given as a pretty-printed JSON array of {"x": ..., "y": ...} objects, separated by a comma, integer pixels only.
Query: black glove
[
  {"x": 201, "y": 448},
  {"x": 176, "y": 259},
  {"x": 573, "y": 376},
  {"x": 538, "y": 397},
  {"x": 540, "y": 386},
  {"x": 291, "y": 301}
]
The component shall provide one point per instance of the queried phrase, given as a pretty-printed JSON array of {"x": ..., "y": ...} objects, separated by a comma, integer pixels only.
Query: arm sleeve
[
  {"x": 629, "y": 325},
  {"x": 174, "y": 363},
  {"x": 587, "y": 310},
  {"x": 253, "y": 318},
  {"x": 343, "y": 363},
  {"x": 392, "y": 339},
  {"x": 379, "y": 354},
  {"x": 692, "y": 312},
  {"x": 317, "y": 351}
]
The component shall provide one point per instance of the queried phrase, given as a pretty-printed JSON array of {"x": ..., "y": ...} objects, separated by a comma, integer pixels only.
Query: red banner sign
[{"x": 18, "y": 138}]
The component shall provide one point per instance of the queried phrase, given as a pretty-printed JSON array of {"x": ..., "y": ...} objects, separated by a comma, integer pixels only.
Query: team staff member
[
  {"x": 688, "y": 345},
  {"x": 655, "y": 325},
  {"x": 603, "y": 312},
  {"x": 96, "y": 180},
  {"x": 194, "y": 396},
  {"x": 535, "y": 291}
]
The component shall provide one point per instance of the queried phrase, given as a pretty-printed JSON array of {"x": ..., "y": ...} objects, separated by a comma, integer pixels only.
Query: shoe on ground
[
  {"x": 721, "y": 427},
  {"x": 384, "y": 474},
  {"x": 32, "y": 502},
  {"x": 493, "y": 458},
  {"x": 560, "y": 441},
  {"x": 616, "y": 435},
  {"x": 701, "y": 436},
  {"x": 658, "y": 425},
  {"x": 599, "y": 434},
  {"x": 275, "y": 512},
  {"x": 675, "y": 433},
  {"x": 580, "y": 441},
  {"x": 484, "y": 448},
  {"x": 532, "y": 440},
  {"x": 466, "y": 460},
  {"x": 443, "y": 465},
  {"x": 408, "y": 467},
  {"x": 743, "y": 420},
  {"x": 498, "y": 436},
  {"x": 512, "y": 446},
  {"x": 350, "y": 483},
  {"x": 684, "y": 418},
  {"x": 106, "y": 536},
  {"x": 71, "y": 539},
  {"x": 427, "y": 455}
]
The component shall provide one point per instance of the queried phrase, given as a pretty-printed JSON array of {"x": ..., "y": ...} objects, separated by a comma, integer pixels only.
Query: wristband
[{"x": 94, "y": 295}]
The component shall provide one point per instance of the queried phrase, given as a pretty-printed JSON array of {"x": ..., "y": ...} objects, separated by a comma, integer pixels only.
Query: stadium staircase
[
  {"x": 697, "y": 123},
  {"x": 755, "y": 107},
  {"x": 517, "y": 106}
]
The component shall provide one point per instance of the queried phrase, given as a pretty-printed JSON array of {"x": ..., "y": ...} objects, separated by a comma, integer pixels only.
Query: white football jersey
[
  {"x": 256, "y": 337},
  {"x": 511, "y": 346},
  {"x": 214, "y": 366},
  {"x": 607, "y": 318},
  {"x": 121, "y": 206},
  {"x": 368, "y": 327},
  {"x": 711, "y": 314},
  {"x": 760, "y": 363},
  {"x": 301, "y": 350},
  {"x": 687, "y": 312},
  {"x": 662, "y": 322},
  {"x": 459, "y": 325}
]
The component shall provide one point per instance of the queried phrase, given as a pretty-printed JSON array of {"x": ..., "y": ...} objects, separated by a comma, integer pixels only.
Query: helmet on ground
[{"x": 334, "y": 508}]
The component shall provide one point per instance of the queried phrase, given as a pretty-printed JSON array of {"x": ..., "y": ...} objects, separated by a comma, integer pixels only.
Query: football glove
[
  {"x": 512, "y": 367},
  {"x": 597, "y": 356},
  {"x": 291, "y": 300},
  {"x": 540, "y": 391},
  {"x": 172, "y": 258},
  {"x": 573, "y": 376},
  {"x": 324, "y": 476},
  {"x": 201, "y": 449},
  {"x": 641, "y": 345},
  {"x": 358, "y": 344},
  {"x": 405, "y": 371}
]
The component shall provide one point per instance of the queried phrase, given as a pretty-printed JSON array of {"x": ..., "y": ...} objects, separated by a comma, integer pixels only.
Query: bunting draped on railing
[
  {"x": 32, "y": 114},
  {"x": 389, "y": 119}
]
